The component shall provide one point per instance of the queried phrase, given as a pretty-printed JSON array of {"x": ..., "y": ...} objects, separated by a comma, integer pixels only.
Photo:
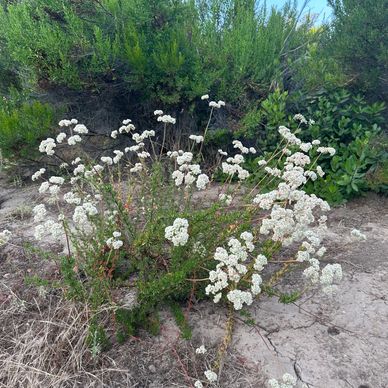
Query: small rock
[{"x": 152, "y": 368}]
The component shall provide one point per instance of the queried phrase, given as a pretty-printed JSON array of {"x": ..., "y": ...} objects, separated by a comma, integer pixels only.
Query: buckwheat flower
[
  {"x": 200, "y": 350},
  {"x": 260, "y": 262},
  {"x": 127, "y": 121},
  {"x": 211, "y": 376},
  {"x": 127, "y": 149},
  {"x": 98, "y": 168},
  {"x": 320, "y": 172},
  {"x": 289, "y": 379},
  {"x": 273, "y": 383},
  {"x": 202, "y": 181},
  {"x": 217, "y": 297},
  {"x": 262, "y": 162},
  {"x": 248, "y": 238},
  {"x": 158, "y": 112},
  {"x": 118, "y": 156},
  {"x": 40, "y": 213},
  {"x": 44, "y": 187},
  {"x": 305, "y": 147},
  {"x": 311, "y": 122},
  {"x": 107, "y": 160},
  {"x": 74, "y": 121},
  {"x": 76, "y": 161},
  {"x": 316, "y": 142},
  {"x": 189, "y": 179},
  {"x": 256, "y": 282},
  {"x": 356, "y": 233},
  {"x": 205, "y": 97},
  {"x": 167, "y": 119},
  {"x": 221, "y": 103},
  {"x": 252, "y": 150},
  {"x": 213, "y": 104},
  {"x": 117, "y": 244},
  {"x": 57, "y": 180},
  {"x": 54, "y": 190},
  {"x": 80, "y": 128},
  {"x": 178, "y": 177},
  {"x": 326, "y": 150},
  {"x": 301, "y": 118},
  {"x": 143, "y": 155},
  {"x": 65, "y": 123},
  {"x": 72, "y": 198},
  {"x": 186, "y": 157},
  {"x": 61, "y": 137},
  {"x": 198, "y": 139},
  {"x": 238, "y": 298},
  {"x": 5, "y": 236},
  {"x": 73, "y": 140},
  {"x": 223, "y": 153},
  {"x": 177, "y": 232},
  {"x": 80, "y": 169},
  {"x": 225, "y": 198},
  {"x": 38, "y": 174},
  {"x": 47, "y": 146},
  {"x": 114, "y": 134},
  {"x": 39, "y": 232},
  {"x": 198, "y": 384},
  {"x": 137, "y": 168},
  {"x": 311, "y": 175}
]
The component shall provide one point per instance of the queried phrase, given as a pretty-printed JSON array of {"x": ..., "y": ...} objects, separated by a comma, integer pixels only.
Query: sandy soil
[{"x": 325, "y": 342}]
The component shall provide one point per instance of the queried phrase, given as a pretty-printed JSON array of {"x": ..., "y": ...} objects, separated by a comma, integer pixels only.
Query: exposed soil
[{"x": 325, "y": 342}]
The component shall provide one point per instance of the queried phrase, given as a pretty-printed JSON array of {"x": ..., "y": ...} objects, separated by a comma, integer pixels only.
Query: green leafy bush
[
  {"x": 21, "y": 128},
  {"x": 347, "y": 123},
  {"x": 160, "y": 51},
  {"x": 358, "y": 42}
]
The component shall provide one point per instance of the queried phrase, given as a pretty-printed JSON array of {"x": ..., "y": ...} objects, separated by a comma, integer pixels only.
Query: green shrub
[
  {"x": 21, "y": 128},
  {"x": 343, "y": 121},
  {"x": 169, "y": 52},
  {"x": 358, "y": 41}
]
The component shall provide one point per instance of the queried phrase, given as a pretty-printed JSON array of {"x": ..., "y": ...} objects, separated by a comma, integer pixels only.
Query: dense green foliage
[
  {"x": 21, "y": 127},
  {"x": 358, "y": 40},
  {"x": 165, "y": 51}
]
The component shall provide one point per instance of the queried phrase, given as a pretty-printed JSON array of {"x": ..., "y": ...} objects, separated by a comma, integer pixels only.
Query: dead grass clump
[{"x": 48, "y": 348}]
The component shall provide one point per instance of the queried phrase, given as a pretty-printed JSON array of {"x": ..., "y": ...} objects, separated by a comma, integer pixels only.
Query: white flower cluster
[
  {"x": 177, "y": 233},
  {"x": 187, "y": 173},
  {"x": 358, "y": 234},
  {"x": 287, "y": 381},
  {"x": 197, "y": 138},
  {"x": 38, "y": 174},
  {"x": 47, "y": 146},
  {"x": 233, "y": 164},
  {"x": 244, "y": 150},
  {"x": 299, "y": 117},
  {"x": 167, "y": 119},
  {"x": 211, "y": 376},
  {"x": 225, "y": 198},
  {"x": 5, "y": 236},
  {"x": 217, "y": 105},
  {"x": 114, "y": 242},
  {"x": 231, "y": 269},
  {"x": 293, "y": 214}
]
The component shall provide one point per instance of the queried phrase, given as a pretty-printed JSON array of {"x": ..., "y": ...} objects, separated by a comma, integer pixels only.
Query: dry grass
[{"x": 47, "y": 347}]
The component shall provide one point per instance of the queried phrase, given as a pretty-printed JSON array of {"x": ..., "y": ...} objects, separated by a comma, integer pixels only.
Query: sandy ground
[{"x": 325, "y": 342}]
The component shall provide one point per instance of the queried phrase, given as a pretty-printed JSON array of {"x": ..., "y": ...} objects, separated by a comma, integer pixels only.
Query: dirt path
[{"x": 340, "y": 342}]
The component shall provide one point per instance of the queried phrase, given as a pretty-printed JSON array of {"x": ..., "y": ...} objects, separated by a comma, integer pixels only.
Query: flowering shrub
[{"x": 138, "y": 220}]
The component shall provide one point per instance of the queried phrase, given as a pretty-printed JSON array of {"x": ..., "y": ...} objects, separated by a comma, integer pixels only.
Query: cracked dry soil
[{"x": 338, "y": 342}]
